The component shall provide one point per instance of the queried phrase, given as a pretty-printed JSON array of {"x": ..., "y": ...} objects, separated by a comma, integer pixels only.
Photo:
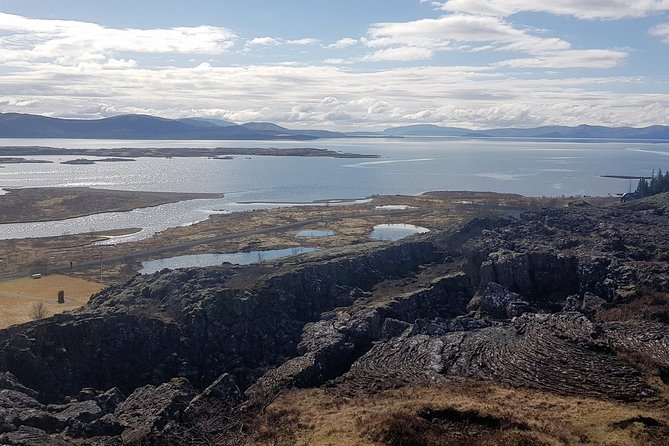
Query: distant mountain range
[
  {"x": 561, "y": 132},
  {"x": 17, "y": 125}
]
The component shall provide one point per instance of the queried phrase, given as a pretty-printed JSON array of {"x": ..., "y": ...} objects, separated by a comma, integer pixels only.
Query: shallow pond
[
  {"x": 394, "y": 207},
  {"x": 392, "y": 232},
  {"x": 237, "y": 258}
]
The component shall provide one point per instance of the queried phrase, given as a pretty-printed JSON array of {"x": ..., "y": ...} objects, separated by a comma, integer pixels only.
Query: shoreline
[
  {"x": 175, "y": 197},
  {"x": 260, "y": 230},
  {"x": 178, "y": 152},
  {"x": 45, "y": 200}
]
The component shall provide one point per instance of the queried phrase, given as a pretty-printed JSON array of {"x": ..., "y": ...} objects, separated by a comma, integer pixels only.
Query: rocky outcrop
[
  {"x": 149, "y": 410},
  {"x": 549, "y": 255},
  {"x": 192, "y": 323},
  {"x": 564, "y": 353},
  {"x": 200, "y": 351},
  {"x": 331, "y": 345}
]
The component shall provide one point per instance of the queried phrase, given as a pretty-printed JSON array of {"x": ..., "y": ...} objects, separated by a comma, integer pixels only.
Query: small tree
[
  {"x": 38, "y": 311},
  {"x": 658, "y": 183},
  {"x": 642, "y": 188}
]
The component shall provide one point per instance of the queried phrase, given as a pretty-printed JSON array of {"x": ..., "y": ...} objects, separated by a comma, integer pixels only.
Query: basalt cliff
[{"x": 571, "y": 302}]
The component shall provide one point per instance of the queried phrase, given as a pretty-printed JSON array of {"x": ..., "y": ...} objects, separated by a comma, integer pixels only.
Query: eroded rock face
[
  {"x": 199, "y": 351},
  {"x": 189, "y": 323},
  {"x": 546, "y": 256},
  {"x": 564, "y": 353}
]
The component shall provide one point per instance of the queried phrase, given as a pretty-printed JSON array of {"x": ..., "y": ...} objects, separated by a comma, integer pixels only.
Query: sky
[{"x": 344, "y": 65}]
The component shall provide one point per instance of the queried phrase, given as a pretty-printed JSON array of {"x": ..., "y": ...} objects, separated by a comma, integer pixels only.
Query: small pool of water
[
  {"x": 392, "y": 232},
  {"x": 315, "y": 233},
  {"x": 394, "y": 207},
  {"x": 237, "y": 258}
]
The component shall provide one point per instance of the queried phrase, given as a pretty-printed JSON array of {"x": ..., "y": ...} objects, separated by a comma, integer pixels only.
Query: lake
[{"x": 406, "y": 166}]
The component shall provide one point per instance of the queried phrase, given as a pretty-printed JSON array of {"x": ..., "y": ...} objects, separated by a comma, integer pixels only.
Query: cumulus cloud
[
  {"x": 72, "y": 42},
  {"x": 344, "y": 43},
  {"x": 582, "y": 9},
  {"x": 569, "y": 59},
  {"x": 420, "y": 39},
  {"x": 661, "y": 31},
  {"x": 272, "y": 41},
  {"x": 440, "y": 33},
  {"x": 86, "y": 70},
  {"x": 330, "y": 97},
  {"x": 406, "y": 53},
  {"x": 333, "y": 97},
  {"x": 263, "y": 41}
]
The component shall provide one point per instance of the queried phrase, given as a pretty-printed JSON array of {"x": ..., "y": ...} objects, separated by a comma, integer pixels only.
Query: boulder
[
  {"x": 393, "y": 327},
  {"x": 31, "y": 436},
  {"x": 9, "y": 382},
  {"x": 149, "y": 409},
  {"x": 493, "y": 301},
  {"x": 82, "y": 411},
  {"x": 592, "y": 304},
  {"x": 106, "y": 426},
  {"x": 222, "y": 394}
]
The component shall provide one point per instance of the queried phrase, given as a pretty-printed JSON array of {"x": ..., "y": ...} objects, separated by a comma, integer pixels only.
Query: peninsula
[{"x": 175, "y": 152}]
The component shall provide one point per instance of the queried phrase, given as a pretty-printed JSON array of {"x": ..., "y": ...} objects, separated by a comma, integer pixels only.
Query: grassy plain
[{"x": 18, "y": 297}]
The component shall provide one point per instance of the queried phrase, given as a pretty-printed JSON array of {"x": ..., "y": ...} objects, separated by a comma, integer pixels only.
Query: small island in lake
[
  {"x": 116, "y": 154},
  {"x": 86, "y": 161},
  {"x": 16, "y": 160}
]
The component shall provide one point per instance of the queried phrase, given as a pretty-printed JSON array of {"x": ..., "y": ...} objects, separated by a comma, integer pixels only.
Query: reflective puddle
[
  {"x": 392, "y": 232},
  {"x": 237, "y": 258}
]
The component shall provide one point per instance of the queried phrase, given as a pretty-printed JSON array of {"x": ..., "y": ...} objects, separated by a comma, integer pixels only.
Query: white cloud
[
  {"x": 272, "y": 41},
  {"x": 582, "y": 9},
  {"x": 330, "y": 100},
  {"x": 334, "y": 61},
  {"x": 399, "y": 54},
  {"x": 17, "y": 102},
  {"x": 597, "y": 59},
  {"x": 85, "y": 70},
  {"x": 264, "y": 41},
  {"x": 72, "y": 42},
  {"x": 420, "y": 39},
  {"x": 332, "y": 97},
  {"x": 661, "y": 31},
  {"x": 344, "y": 43},
  {"x": 439, "y": 33},
  {"x": 306, "y": 41}
]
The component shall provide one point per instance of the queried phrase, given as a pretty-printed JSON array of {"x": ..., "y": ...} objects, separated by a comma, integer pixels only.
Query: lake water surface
[
  {"x": 237, "y": 258},
  {"x": 406, "y": 166},
  {"x": 396, "y": 231}
]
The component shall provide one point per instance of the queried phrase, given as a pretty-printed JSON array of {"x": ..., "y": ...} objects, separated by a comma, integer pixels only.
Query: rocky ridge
[{"x": 190, "y": 356}]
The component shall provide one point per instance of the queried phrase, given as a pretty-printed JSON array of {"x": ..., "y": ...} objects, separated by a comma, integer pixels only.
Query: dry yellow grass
[
  {"x": 319, "y": 417},
  {"x": 18, "y": 296}
]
